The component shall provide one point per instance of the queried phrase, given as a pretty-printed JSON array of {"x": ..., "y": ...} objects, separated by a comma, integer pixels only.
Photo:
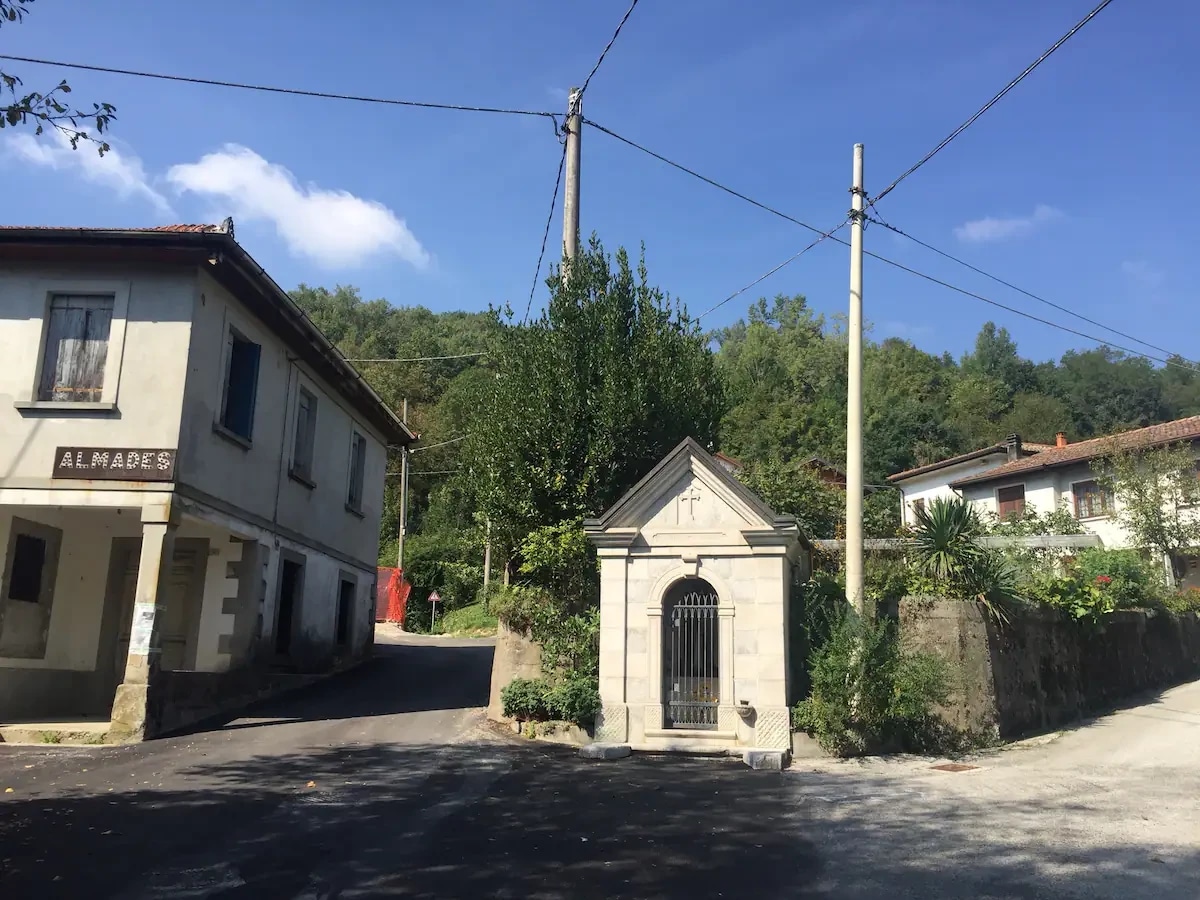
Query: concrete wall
[
  {"x": 254, "y": 478},
  {"x": 516, "y": 656},
  {"x": 145, "y": 371},
  {"x": 1043, "y": 669}
]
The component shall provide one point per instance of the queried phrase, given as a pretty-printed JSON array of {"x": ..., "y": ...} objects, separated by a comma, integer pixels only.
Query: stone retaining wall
[{"x": 1043, "y": 670}]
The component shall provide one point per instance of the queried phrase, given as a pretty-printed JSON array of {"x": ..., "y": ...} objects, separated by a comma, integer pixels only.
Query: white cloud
[
  {"x": 986, "y": 230},
  {"x": 334, "y": 228},
  {"x": 1143, "y": 276},
  {"x": 119, "y": 171}
]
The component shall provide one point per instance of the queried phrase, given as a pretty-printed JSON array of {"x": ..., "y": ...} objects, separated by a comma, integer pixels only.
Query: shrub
[
  {"x": 1183, "y": 602},
  {"x": 1130, "y": 579},
  {"x": 575, "y": 699},
  {"x": 526, "y": 699},
  {"x": 1077, "y": 597},
  {"x": 868, "y": 693}
]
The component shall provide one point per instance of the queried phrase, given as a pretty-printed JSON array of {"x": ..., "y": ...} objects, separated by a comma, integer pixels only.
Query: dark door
[{"x": 290, "y": 583}]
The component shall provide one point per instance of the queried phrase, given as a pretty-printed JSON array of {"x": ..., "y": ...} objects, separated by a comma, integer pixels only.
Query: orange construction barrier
[{"x": 391, "y": 595}]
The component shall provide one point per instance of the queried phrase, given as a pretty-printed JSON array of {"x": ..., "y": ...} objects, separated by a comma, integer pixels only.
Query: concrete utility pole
[
  {"x": 487, "y": 556},
  {"x": 854, "y": 417},
  {"x": 571, "y": 194},
  {"x": 403, "y": 495}
]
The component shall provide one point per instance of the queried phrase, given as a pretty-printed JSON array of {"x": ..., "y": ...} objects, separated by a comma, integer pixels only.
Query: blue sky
[{"x": 1068, "y": 187}]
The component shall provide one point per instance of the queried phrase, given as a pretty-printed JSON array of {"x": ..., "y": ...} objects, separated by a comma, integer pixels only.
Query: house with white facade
[
  {"x": 1064, "y": 476},
  {"x": 921, "y": 485},
  {"x": 191, "y": 480}
]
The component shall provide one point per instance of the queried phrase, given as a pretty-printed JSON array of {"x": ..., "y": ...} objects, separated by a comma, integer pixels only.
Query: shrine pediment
[{"x": 687, "y": 498}]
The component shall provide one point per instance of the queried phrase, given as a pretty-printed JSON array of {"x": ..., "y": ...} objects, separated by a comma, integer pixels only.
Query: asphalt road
[{"x": 381, "y": 783}]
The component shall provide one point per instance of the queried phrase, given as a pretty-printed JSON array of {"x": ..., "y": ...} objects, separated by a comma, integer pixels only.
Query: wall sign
[{"x": 114, "y": 464}]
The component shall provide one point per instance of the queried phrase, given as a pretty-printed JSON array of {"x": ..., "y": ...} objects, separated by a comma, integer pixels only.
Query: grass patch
[{"x": 468, "y": 621}]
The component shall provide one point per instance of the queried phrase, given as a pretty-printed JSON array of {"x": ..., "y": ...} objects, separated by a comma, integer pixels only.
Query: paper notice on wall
[{"x": 143, "y": 628}]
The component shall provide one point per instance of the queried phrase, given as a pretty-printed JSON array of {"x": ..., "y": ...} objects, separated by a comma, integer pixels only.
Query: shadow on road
[
  {"x": 399, "y": 678},
  {"x": 530, "y": 821}
]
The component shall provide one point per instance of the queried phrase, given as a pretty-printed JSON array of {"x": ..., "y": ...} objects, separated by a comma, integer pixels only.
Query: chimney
[
  {"x": 1060, "y": 439},
  {"x": 1013, "y": 444}
]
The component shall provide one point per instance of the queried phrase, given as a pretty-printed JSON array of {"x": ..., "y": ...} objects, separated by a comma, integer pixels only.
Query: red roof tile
[
  {"x": 1154, "y": 435},
  {"x": 190, "y": 229}
]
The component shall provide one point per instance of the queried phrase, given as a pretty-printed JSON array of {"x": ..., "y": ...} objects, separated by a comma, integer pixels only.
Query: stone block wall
[
  {"x": 1043, "y": 669},
  {"x": 516, "y": 656}
]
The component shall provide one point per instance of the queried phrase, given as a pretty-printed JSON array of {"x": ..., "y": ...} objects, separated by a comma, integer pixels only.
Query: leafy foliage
[
  {"x": 586, "y": 398},
  {"x": 1157, "y": 492},
  {"x": 574, "y": 699},
  {"x": 526, "y": 699},
  {"x": 869, "y": 693},
  {"x": 49, "y": 109},
  {"x": 946, "y": 550}
]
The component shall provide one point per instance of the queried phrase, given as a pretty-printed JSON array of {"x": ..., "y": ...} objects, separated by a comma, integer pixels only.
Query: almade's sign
[{"x": 114, "y": 464}]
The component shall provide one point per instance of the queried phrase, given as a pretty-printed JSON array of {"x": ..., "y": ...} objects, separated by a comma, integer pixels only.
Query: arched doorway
[{"x": 691, "y": 655}]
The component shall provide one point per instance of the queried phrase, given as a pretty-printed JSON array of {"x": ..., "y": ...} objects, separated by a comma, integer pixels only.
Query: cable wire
[
  {"x": 1019, "y": 290},
  {"x": 279, "y": 90},
  {"x": 546, "y": 234},
  {"x": 766, "y": 275},
  {"x": 607, "y": 47},
  {"x": 420, "y": 358},
  {"x": 1015, "y": 311},
  {"x": 833, "y": 237},
  {"x": 996, "y": 99},
  {"x": 705, "y": 179}
]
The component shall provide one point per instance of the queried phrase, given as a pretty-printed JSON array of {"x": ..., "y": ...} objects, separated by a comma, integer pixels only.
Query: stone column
[
  {"x": 727, "y": 718},
  {"x": 652, "y": 716},
  {"x": 131, "y": 718},
  {"x": 612, "y": 724}
]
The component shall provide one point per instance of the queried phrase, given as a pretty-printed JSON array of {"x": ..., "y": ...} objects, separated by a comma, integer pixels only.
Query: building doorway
[
  {"x": 691, "y": 655},
  {"x": 291, "y": 593}
]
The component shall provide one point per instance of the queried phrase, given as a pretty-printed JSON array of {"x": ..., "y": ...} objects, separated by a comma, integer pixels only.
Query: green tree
[
  {"x": 1107, "y": 391},
  {"x": 587, "y": 398},
  {"x": 1157, "y": 491},
  {"x": 49, "y": 109}
]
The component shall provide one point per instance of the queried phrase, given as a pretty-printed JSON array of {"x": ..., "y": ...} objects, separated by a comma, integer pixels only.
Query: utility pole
[
  {"x": 403, "y": 495},
  {"x": 487, "y": 556},
  {"x": 571, "y": 195},
  {"x": 854, "y": 417}
]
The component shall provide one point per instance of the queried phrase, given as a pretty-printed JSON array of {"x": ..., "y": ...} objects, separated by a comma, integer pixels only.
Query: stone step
[{"x": 84, "y": 731}]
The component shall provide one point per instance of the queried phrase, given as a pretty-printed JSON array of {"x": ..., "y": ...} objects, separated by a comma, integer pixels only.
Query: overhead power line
[
  {"x": 439, "y": 444},
  {"x": 833, "y": 237},
  {"x": 607, "y": 47},
  {"x": 281, "y": 90},
  {"x": 704, "y": 178},
  {"x": 421, "y": 358},
  {"x": 996, "y": 99},
  {"x": 766, "y": 275},
  {"x": 1018, "y": 289},
  {"x": 546, "y": 233}
]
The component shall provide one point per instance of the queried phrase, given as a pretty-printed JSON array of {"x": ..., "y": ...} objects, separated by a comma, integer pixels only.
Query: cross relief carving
[{"x": 688, "y": 499}]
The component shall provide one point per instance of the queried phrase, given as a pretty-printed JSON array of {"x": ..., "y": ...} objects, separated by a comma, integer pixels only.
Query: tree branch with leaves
[{"x": 49, "y": 109}]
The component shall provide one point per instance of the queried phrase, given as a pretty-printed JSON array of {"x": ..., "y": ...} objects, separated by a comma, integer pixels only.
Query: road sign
[{"x": 434, "y": 598}]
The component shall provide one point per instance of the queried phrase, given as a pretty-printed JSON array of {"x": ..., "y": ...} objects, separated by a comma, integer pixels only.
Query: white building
[
  {"x": 921, "y": 485},
  {"x": 191, "y": 479},
  {"x": 1012, "y": 477},
  {"x": 695, "y": 574}
]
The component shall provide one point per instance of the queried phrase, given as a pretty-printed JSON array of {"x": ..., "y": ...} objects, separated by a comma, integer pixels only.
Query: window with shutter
[
  {"x": 1011, "y": 500},
  {"x": 241, "y": 385},
  {"x": 358, "y": 465},
  {"x": 306, "y": 435},
  {"x": 77, "y": 333}
]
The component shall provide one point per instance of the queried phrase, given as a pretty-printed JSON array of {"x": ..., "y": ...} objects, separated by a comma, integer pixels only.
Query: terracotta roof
[
  {"x": 951, "y": 461},
  {"x": 188, "y": 229},
  {"x": 1154, "y": 435}
]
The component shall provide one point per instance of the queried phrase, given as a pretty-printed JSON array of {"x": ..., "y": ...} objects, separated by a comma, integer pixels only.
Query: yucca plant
[{"x": 947, "y": 550}]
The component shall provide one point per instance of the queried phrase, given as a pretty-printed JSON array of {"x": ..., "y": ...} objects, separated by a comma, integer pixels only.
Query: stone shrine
[{"x": 695, "y": 576}]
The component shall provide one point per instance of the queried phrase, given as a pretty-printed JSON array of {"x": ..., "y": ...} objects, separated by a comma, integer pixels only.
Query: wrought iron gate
[{"x": 690, "y": 656}]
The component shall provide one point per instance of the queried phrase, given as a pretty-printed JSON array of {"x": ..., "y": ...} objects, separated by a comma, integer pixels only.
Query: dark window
[
  {"x": 918, "y": 506},
  {"x": 345, "y": 611},
  {"x": 241, "y": 385},
  {"x": 1011, "y": 500},
  {"x": 306, "y": 435},
  {"x": 1091, "y": 499},
  {"x": 76, "y": 348},
  {"x": 25, "y": 576},
  {"x": 358, "y": 465}
]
